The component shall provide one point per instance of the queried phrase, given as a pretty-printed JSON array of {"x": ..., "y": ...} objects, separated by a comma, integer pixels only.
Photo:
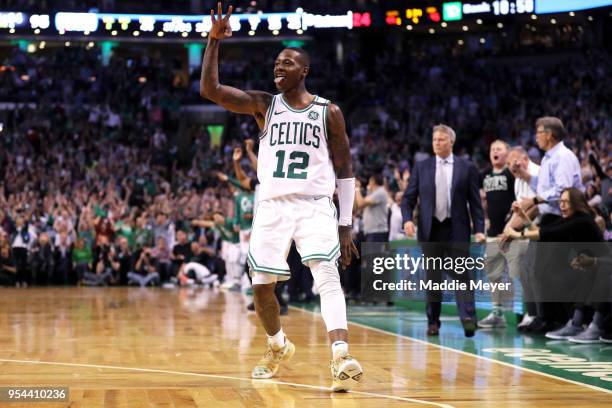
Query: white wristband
[{"x": 346, "y": 197}]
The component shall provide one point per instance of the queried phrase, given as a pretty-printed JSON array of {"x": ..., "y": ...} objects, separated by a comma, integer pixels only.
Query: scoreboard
[
  {"x": 453, "y": 11},
  {"x": 413, "y": 12},
  {"x": 174, "y": 26},
  {"x": 457, "y": 10}
]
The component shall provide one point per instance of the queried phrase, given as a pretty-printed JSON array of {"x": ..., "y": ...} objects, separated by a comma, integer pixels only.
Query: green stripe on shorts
[
  {"x": 265, "y": 269},
  {"x": 327, "y": 257}
]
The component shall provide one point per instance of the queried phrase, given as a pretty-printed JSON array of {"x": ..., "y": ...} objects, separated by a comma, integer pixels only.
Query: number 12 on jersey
[{"x": 298, "y": 162}]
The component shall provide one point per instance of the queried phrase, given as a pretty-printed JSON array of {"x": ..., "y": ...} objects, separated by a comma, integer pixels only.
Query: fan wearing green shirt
[
  {"x": 243, "y": 214},
  {"x": 82, "y": 258},
  {"x": 229, "y": 231}
]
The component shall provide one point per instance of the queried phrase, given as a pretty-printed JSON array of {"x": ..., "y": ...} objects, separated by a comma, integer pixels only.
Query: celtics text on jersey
[{"x": 293, "y": 151}]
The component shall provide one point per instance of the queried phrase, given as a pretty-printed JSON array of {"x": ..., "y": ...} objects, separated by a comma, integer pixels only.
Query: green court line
[{"x": 589, "y": 364}]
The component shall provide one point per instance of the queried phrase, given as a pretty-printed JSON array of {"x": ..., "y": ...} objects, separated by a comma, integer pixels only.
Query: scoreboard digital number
[
  {"x": 505, "y": 7},
  {"x": 458, "y": 10}
]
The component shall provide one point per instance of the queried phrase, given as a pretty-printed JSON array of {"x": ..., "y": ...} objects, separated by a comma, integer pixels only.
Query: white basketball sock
[
  {"x": 333, "y": 305},
  {"x": 277, "y": 341},
  {"x": 339, "y": 348}
]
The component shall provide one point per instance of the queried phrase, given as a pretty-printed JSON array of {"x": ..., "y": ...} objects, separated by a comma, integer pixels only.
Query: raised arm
[
  {"x": 243, "y": 179},
  {"x": 341, "y": 158},
  {"x": 255, "y": 103},
  {"x": 367, "y": 201},
  {"x": 248, "y": 146},
  {"x": 203, "y": 223}
]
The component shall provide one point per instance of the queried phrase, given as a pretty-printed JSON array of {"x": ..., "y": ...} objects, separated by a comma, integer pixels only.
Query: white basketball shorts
[{"x": 310, "y": 221}]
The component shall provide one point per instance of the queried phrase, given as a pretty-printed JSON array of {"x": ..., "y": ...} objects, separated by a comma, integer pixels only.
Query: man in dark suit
[{"x": 448, "y": 189}]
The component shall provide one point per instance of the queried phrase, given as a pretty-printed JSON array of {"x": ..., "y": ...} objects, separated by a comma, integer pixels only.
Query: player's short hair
[
  {"x": 304, "y": 56},
  {"x": 553, "y": 125},
  {"x": 445, "y": 129}
]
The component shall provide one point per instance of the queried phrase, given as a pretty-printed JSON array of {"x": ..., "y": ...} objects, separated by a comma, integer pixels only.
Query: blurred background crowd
[{"x": 103, "y": 173}]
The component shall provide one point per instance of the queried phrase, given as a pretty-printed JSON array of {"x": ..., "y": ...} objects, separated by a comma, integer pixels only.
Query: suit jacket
[{"x": 465, "y": 199}]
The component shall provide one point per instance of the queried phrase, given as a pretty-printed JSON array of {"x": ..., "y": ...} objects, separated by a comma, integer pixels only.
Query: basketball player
[
  {"x": 303, "y": 148},
  {"x": 243, "y": 215}
]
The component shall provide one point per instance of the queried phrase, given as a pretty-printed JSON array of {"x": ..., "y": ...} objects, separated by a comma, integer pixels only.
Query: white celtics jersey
[{"x": 293, "y": 154}]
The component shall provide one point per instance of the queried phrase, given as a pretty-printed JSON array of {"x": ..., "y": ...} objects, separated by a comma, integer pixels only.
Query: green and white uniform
[
  {"x": 243, "y": 210},
  {"x": 293, "y": 155},
  {"x": 297, "y": 182},
  {"x": 230, "y": 250}
]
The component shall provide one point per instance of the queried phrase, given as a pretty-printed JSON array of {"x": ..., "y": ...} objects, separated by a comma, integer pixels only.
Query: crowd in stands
[{"x": 95, "y": 192}]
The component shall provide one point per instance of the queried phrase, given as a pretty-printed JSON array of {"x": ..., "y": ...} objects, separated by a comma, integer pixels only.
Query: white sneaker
[
  {"x": 527, "y": 320},
  {"x": 591, "y": 335},
  {"x": 567, "y": 331},
  {"x": 267, "y": 367},
  {"x": 492, "y": 321},
  {"x": 346, "y": 373}
]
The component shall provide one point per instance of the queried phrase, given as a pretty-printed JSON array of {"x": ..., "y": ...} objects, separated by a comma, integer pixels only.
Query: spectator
[
  {"x": 144, "y": 270},
  {"x": 560, "y": 169},
  {"x": 195, "y": 269},
  {"x": 230, "y": 250},
  {"x": 82, "y": 259},
  {"x": 43, "y": 260},
  {"x": 162, "y": 258},
  {"x": 375, "y": 209},
  {"x": 21, "y": 243},
  {"x": 576, "y": 224},
  {"x": 181, "y": 252},
  {"x": 105, "y": 265},
  {"x": 143, "y": 237},
  {"x": 125, "y": 259},
  {"x": 498, "y": 187},
  {"x": 6, "y": 224},
  {"x": 62, "y": 260},
  {"x": 518, "y": 161},
  {"x": 104, "y": 229},
  {"x": 396, "y": 228},
  {"x": 8, "y": 269},
  {"x": 164, "y": 228}
]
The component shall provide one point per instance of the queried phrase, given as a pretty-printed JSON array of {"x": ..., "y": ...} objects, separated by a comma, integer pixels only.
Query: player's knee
[
  {"x": 326, "y": 277},
  {"x": 264, "y": 298},
  {"x": 263, "y": 291}
]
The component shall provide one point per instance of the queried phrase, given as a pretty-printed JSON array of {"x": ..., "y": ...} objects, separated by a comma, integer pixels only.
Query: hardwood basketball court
[{"x": 132, "y": 347}]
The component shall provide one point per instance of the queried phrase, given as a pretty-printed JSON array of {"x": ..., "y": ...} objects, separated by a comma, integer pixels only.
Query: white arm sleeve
[{"x": 346, "y": 197}]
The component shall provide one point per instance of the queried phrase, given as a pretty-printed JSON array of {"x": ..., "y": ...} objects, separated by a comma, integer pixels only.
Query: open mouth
[
  {"x": 495, "y": 158},
  {"x": 278, "y": 77}
]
